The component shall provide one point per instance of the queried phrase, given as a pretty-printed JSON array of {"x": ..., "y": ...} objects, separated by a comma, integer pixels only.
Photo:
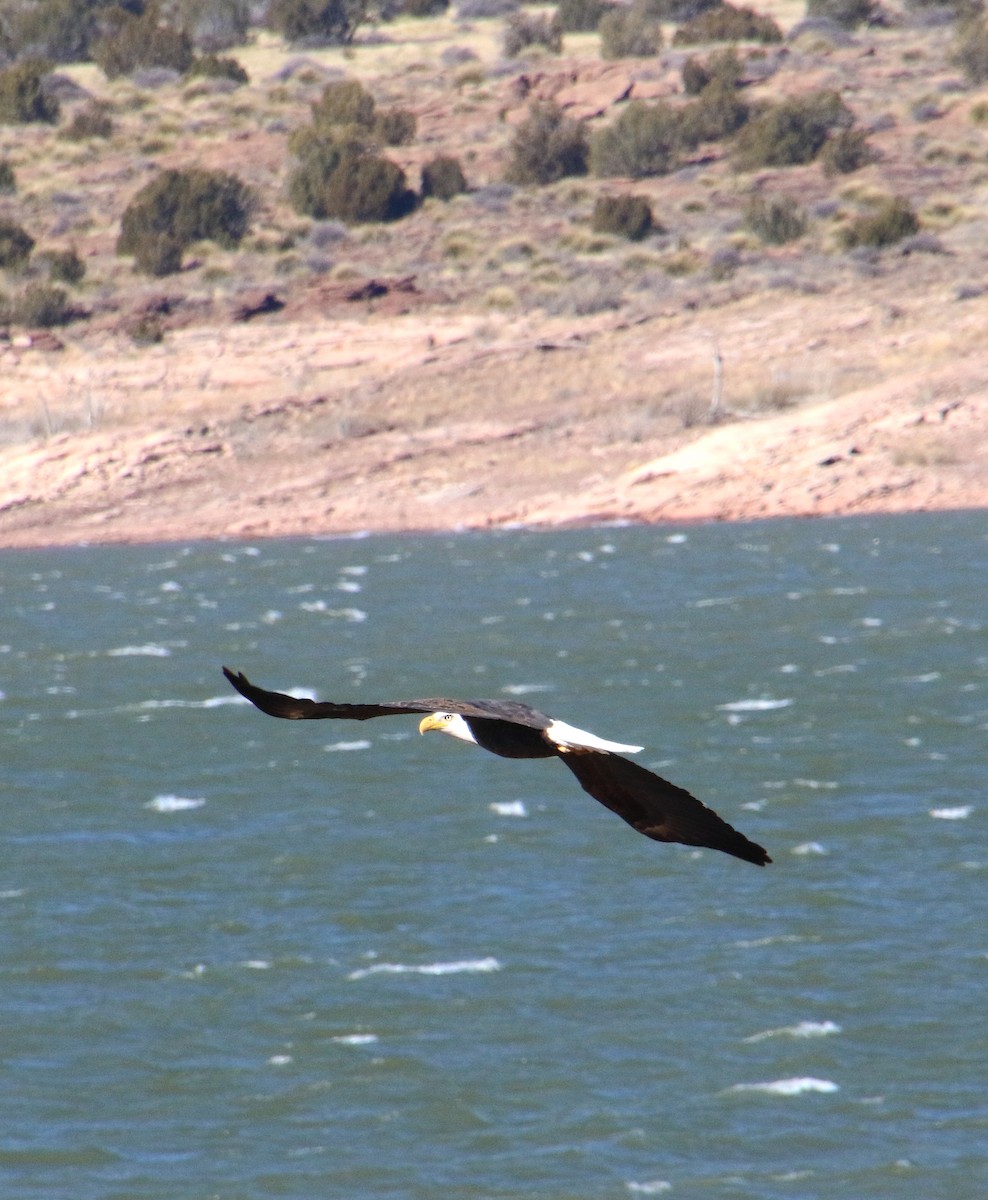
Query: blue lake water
[{"x": 252, "y": 958}]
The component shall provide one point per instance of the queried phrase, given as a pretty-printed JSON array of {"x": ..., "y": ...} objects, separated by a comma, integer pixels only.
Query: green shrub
[
  {"x": 775, "y": 219},
  {"x": 892, "y": 221},
  {"x": 330, "y": 22},
  {"x": 718, "y": 112},
  {"x": 724, "y": 66},
  {"x": 365, "y": 187},
  {"x": 64, "y": 265},
  {"x": 582, "y": 16},
  {"x": 630, "y": 33},
  {"x": 181, "y": 207},
  {"x": 443, "y": 178},
  {"x": 142, "y": 41},
  {"x": 677, "y": 11},
  {"x": 8, "y": 180},
  {"x": 970, "y": 50},
  {"x": 337, "y": 175},
  {"x": 59, "y": 30},
  {"x": 846, "y": 151},
  {"x": 532, "y": 29},
  {"x": 91, "y": 121},
  {"x": 646, "y": 139},
  {"x": 22, "y": 98},
  {"x": 159, "y": 254},
  {"x": 16, "y": 245},
  {"x": 726, "y": 23},
  {"x": 213, "y": 66},
  {"x": 848, "y": 14},
  {"x": 395, "y": 126},
  {"x": 695, "y": 76},
  {"x": 344, "y": 102},
  {"x": 627, "y": 216},
  {"x": 791, "y": 132},
  {"x": 41, "y": 305},
  {"x": 547, "y": 146},
  {"x": 423, "y": 8}
]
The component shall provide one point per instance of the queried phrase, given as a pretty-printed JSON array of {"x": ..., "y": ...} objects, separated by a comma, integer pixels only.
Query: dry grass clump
[
  {"x": 725, "y": 23},
  {"x": 775, "y": 219},
  {"x": 626, "y": 216},
  {"x": 892, "y": 220},
  {"x": 547, "y": 147}
]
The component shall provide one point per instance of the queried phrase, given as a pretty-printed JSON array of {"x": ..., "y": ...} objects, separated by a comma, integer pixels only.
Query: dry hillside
[{"x": 492, "y": 359}]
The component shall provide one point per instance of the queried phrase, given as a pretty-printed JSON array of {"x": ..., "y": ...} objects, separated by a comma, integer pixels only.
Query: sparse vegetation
[
  {"x": 970, "y": 51},
  {"x": 791, "y": 132},
  {"x": 725, "y": 23},
  {"x": 892, "y": 220},
  {"x": 65, "y": 266},
  {"x": 344, "y": 102},
  {"x": 443, "y": 178},
  {"x": 532, "y": 29},
  {"x": 627, "y": 216},
  {"x": 848, "y": 14},
  {"x": 41, "y": 305},
  {"x": 547, "y": 146},
  {"x": 582, "y": 16},
  {"x": 630, "y": 32},
  {"x": 22, "y": 95},
  {"x": 775, "y": 219},
  {"x": 142, "y": 40},
  {"x": 395, "y": 126},
  {"x": 8, "y": 179},
  {"x": 181, "y": 207},
  {"x": 215, "y": 66},
  {"x": 846, "y": 151},
  {"x": 644, "y": 140},
  {"x": 319, "y": 22},
  {"x": 16, "y": 245},
  {"x": 91, "y": 121}
]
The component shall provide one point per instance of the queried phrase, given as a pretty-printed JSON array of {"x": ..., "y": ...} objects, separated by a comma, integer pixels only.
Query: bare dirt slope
[{"x": 436, "y": 421}]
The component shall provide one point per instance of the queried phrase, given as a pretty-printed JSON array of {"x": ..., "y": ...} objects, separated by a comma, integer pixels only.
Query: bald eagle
[{"x": 654, "y": 807}]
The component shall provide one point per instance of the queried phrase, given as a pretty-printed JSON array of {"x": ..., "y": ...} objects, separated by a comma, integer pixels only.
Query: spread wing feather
[
  {"x": 657, "y": 808},
  {"x": 292, "y": 708}
]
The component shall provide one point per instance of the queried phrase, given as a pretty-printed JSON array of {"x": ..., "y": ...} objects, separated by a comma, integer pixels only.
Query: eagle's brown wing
[
  {"x": 292, "y": 708},
  {"x": 657, "y": 808}
]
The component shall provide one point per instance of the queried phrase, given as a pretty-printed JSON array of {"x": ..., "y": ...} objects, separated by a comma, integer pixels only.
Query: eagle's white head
[{"x": 446, "y": 722}]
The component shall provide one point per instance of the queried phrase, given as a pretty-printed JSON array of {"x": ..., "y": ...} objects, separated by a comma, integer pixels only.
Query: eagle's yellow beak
[{"x": 430, "y": 722}]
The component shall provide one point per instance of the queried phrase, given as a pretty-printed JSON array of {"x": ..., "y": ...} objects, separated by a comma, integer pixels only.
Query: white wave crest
[
  {"x": 359, "y": 744},
  {"x": 439, "y": 968},
  {"x": 355, "y": 1039},
  {"x": 173, "y": 804},
  {"x": 802, "y": 1029},
  {"x": 149, "y": 650},
  {"x": 510, "y": 808},
  {"x": 761, "y": 705},
  {"x": 959, "y": 813},
  {"x": 788, "y": 1087}
]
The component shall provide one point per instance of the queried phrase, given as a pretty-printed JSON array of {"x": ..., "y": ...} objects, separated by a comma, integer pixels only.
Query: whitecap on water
[
  {"x": 959, "y": 813},
  {"x": 149, "y": 650},
  {"x": 787, "y": 1087},
  {"x": 510, "y": 808},
  {"x": 173, "y": 804},
  {"x": 355, "y": 1039},
  {"x": 525, "y": 689},
  {"x": 654, "y": 1187},
  {"x": 439, "y": 968},
  {"x": 807, "y": 848},
  {"x": 762, "y": 704},
  {"x": 802, "y": 1029},
  {"x": 359, "y": 744}
]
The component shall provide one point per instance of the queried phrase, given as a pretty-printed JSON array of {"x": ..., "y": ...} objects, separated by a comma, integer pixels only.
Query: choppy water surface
[{"x": 247, "y": 958}]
